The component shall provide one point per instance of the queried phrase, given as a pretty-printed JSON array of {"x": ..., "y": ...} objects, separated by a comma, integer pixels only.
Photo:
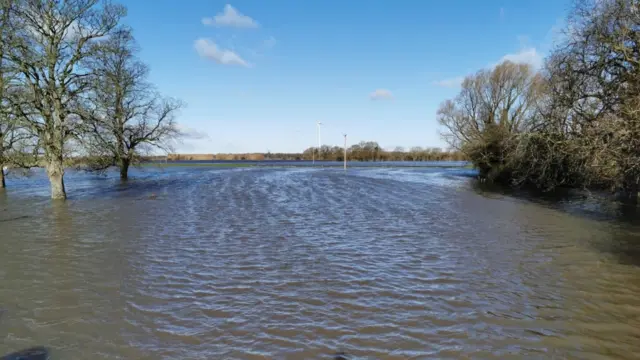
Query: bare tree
[
  {"x": 504, "y": 96},
  {"x": 18, "y": 148},
  {"x": 575, "y": 124},
  {"x": 7, "y": 126},
  {"x": 14, "y": 140},
  {"x": 49, "y": 45},
  {"x": 596, "y": 88},
  {"x": 492, "y": 107},
  {"x": 415, "y": 152},
  {"x": 126, "y": 115}
]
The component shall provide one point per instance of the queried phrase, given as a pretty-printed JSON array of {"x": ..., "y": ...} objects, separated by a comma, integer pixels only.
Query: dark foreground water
[{"x": 268, "y": 263}]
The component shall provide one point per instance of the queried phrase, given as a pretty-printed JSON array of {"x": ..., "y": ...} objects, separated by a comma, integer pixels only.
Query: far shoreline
[
  {"x": 277, "y": 164},
  {"x": 306, "y": 163}
]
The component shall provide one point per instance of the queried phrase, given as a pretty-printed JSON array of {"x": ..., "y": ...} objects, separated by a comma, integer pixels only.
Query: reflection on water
[{"x": 304, "y": 263}]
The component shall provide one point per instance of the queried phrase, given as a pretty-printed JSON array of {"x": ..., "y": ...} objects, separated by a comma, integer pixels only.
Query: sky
[{"x": 257, "y": 75}]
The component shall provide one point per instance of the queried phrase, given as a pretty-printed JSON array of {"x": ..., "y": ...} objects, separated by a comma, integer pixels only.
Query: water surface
[{"x": 298, "y": 263}]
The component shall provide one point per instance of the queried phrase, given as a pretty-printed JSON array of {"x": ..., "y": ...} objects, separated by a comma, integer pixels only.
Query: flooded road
[{"x": 269, "y": 263}]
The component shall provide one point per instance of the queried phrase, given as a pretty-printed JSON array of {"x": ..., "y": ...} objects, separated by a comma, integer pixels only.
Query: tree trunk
[
  {"x": 2, "y": 182},
  {"x": 124, "y": 169},
  {"x": 55, "y": 171}
]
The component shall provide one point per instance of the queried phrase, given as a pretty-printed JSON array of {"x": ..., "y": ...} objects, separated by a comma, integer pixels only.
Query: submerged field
[
  {"x": 305, "y": 163},
  {"x": 201, "y": 262}
]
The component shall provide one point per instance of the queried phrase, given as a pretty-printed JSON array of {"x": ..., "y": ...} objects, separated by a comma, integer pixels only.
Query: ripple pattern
[{"x": 302, "y": 263}]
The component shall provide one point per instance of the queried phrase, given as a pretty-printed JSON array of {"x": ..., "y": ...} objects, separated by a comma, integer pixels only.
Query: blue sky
[{"x": 256, "y": 75}]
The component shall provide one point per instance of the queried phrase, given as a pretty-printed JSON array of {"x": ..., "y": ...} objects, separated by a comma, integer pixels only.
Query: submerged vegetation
[{"x": 573, "y": 123}]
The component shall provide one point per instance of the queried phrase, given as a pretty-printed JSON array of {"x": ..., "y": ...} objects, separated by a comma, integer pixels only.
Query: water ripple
[{"x": 302, "y": 263}]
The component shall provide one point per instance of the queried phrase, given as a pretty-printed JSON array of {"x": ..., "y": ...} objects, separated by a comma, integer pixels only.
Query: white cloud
[
  {"x": 381, "y": 94},
  {"x": 209, "y": 50},
  {"x": 263, "y": 48},
  {"x": 72, "y": 33},
  {"x": 527, "y": 55},
  {"x": 269, "y": 42},
  {"x": 560, "y": 32},
  {"x": 230, "y": 17},
  {"x": 450, "y": 83},
  {"x": 190, "y": 133},
  {"x": 524, "y": 41}
]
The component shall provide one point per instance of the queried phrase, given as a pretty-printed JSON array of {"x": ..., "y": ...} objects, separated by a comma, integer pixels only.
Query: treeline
[
  {"x": 231, "y": 157},
  {"x": 371, "y": 151},
  {"x": 574, "y": 123},
  {"x": 364, "y": 151},
  {"x": 72, "y": 89}
]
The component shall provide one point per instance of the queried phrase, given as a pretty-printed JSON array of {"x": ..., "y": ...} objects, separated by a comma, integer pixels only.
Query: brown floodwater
[{"x": 298, "y": 263}]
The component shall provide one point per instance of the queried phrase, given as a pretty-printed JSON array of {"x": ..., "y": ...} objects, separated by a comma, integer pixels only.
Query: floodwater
[{"x": 300, "y": 263}]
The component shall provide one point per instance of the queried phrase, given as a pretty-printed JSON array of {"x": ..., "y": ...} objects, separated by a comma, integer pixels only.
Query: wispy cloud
[
  {"x": 230, "y": 17},
  {"x": 502, "y": 13},
  {"x": 560, "y": 32},
  {"x": 208, "y": 49},
  {"x": 269, "y": 42},
  {"x": 72, "y": 33},
  {"x": 450, "y": 83},
  {"x": 527, "y": 55},
  {"x": 191, "y": 133},
  {"x": 381, "y": 94}
]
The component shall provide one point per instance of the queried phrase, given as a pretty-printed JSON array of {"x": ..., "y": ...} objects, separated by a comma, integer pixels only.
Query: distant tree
[
  {"x": 492, "y": 106},
  {"x": 371, "y": 151},
  {"x": 415, "y": 152}
]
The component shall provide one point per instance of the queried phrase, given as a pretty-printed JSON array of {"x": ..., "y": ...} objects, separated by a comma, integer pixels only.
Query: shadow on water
[
  {"x": 597, "y": 205},
  {"x": 60, "y": 217},
  {"x": 35, "y": 353},
  {"x": 14, "y": 218},
  {"x": 141, "y": 183},
  {"x": 130, "y": 188},
  {"x": 6, "y": 218},
  {"x": 624, "y": 244},
  {"x": 622, "y": 220},
  {"x": 3, "y": 198},
  {"x": 85, "y": 185}
]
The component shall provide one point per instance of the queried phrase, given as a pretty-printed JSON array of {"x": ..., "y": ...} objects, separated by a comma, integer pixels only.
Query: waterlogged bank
[{"x": 303, "y": 262}]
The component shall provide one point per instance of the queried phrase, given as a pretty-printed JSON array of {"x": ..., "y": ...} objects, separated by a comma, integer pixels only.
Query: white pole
[
  {"x": 345, "y": 152},
  {"x": 319, "y": 143},
  {"x": 313, "y": 153}
]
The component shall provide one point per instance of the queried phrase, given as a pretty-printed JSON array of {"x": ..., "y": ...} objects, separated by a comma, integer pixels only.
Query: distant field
[
  {"x": 293, "y": 163},
  {"x": 191, "y": 164}
]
